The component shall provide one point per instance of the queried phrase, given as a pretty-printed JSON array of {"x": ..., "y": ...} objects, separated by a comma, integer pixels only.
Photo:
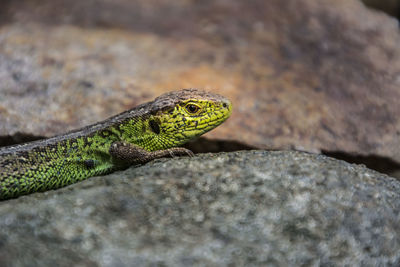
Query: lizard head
[{"x": 180, "y": 116}]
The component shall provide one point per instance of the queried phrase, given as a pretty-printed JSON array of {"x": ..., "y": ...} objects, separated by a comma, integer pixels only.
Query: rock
[
  {"x": 392, "y": 7},
  {"x": 243, "y": 208},
  {"x": 304, "y": 74}
]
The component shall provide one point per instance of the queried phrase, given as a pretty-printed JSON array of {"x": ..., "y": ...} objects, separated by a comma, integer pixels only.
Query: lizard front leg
[{"x": 131, "y": 154}]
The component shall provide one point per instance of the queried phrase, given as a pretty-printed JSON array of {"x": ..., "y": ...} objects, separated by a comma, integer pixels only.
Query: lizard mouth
[
  {"x": 214, "y": 119},
  {"x": 209, "y": 124}
]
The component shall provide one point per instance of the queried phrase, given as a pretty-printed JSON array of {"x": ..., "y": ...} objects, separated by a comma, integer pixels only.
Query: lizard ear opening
[{"x": 154, "y": 126}]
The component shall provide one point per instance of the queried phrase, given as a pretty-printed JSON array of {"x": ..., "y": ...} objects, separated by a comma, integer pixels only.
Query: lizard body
[{"x": 151, "y": 130}]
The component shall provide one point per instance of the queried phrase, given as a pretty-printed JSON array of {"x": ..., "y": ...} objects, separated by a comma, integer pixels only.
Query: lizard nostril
[{"x": 225, "y": 105}]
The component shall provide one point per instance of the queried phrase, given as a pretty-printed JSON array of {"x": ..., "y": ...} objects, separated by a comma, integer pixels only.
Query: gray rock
[{"x": 242, "y": 208}]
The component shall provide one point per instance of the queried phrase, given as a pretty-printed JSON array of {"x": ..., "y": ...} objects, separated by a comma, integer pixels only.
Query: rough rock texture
[
  {"x": 243, "y": 208},
  {"x": 313, "y": 75}
]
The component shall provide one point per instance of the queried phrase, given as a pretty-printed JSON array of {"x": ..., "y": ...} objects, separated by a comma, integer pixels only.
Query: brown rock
[{"x": 310, "y": 75}]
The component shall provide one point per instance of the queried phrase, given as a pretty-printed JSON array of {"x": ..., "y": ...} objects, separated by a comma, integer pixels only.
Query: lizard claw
[
  {"x": 180, "y": 151},
  {"x": 189, "y": 153}
]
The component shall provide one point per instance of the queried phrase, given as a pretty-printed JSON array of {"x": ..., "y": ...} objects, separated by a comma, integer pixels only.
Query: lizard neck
[{"x": 144, "y": 132}]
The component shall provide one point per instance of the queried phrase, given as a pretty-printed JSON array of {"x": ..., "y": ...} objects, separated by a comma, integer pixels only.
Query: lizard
[{"x": 149, "y": 131}]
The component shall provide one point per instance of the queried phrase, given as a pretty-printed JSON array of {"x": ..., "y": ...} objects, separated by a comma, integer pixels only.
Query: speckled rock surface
[
  {"x": 305, "y": 74},
  {"x": 242, "y": 208}
]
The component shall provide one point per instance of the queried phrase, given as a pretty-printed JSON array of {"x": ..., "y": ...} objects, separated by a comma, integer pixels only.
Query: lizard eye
[{"x": 192, "y": 108}]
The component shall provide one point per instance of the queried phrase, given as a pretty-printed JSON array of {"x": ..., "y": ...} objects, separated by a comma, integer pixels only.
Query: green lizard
[{"x": 149, "y": 131}]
